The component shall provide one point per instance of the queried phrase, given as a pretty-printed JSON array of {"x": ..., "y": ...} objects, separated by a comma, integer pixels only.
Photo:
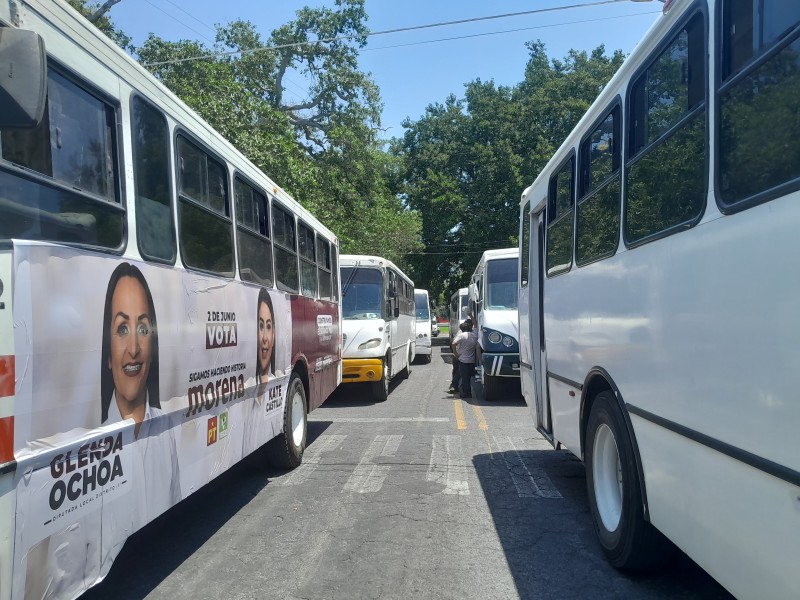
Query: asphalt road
[{"x": 423, "y": 496}]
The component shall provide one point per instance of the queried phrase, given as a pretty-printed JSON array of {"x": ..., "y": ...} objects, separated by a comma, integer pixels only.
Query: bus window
[
  {"x": 205, "y": 229},
  {"x": 666, "y": 177},
  {"x": 324, "y": 268},
  {"x": 252, "y": 224},
  {"x": 758, "y": 154},
  {"x": 154, "y": 230},
  {"x": 308, "y": 261},
  {"x": 559, "y": 215},
  {"x": 284, "y": 238},
  {"x": 597, "y": 229},
  {"x": 69, "y": 191}
]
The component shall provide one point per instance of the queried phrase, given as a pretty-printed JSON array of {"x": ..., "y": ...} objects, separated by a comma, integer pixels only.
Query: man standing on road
[{"x": 463, "y": 347}]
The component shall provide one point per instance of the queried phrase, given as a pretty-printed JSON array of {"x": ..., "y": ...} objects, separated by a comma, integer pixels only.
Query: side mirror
[{"x": 23, "y": 78}]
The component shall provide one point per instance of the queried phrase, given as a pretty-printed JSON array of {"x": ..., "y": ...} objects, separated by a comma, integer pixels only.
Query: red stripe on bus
[
  {"x": 6, "y": 439},
  {"x": 6, "y": 376}
]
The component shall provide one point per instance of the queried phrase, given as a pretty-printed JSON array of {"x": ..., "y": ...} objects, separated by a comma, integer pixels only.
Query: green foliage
[{"x": 468, "y": 160}]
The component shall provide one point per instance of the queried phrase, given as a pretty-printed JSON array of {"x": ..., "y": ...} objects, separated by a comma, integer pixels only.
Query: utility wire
[{"x": 383, "y": 32}]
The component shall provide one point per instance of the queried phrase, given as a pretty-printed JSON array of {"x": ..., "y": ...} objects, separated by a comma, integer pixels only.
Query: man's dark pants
[{"x": 467, "y": 370}]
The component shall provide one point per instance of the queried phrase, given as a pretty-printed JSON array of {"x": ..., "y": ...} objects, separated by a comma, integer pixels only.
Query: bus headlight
[
  {"x": 507, "y": 341},
  {"x": 373, "y": 343},
  {"x": 494, "y": 337}
]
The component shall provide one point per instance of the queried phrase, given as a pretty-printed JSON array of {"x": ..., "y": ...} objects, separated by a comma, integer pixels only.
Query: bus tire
[
  {"x": 491, "y": 386},
  {"x": 429, "y": 357},
  {"x": 628, "y": 541},
  {"x": 286, "y": 450},
  {"x": 380, "y": 389}
]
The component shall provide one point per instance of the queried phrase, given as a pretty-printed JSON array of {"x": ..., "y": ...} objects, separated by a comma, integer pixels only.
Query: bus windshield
[
  {"x": 501, "y": 283},
  {"x": 362, "y": 294},
  {"x": 423, "y": 310}
]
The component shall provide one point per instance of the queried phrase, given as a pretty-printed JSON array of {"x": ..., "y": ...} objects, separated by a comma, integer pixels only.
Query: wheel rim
[
  {"x": 607, "y": 475},
  {"x": 298, "y": 417}
]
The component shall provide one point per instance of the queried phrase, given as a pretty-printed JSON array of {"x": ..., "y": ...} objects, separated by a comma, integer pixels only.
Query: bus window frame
[
  {"x": 119, "y": 203},
  {"x": 583, "y": 195},
  {"x": 172, "y": 189},
  {"x": 720, "y": 88},
  {"x": 275, "y": 246},
  {"x": 696, "y": 8},
  {"x": 237, "y": 174},
  {"x": 308, "y": 261},
  {"x": 181, "y": 131},
  {"x": 570, "y": 156}
]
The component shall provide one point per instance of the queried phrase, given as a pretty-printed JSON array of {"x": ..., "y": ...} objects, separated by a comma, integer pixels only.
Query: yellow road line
[
  {"x": 482, "y": 424},
  {"x": 462, "y": 424}
]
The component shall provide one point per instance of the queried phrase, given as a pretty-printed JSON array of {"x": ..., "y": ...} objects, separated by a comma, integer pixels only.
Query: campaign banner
[{"x": 136, "y": 384}]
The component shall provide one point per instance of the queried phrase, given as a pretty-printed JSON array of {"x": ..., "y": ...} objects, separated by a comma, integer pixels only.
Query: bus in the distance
[
  {"x": 424, "y": 326},
  {"x": 165, "y": 308},
  {"x": 659, "y": 296},
  {"x": 493, "y": 302},
  {"x": 459, "y": 302},
  {"x": 378, "y": 324}
]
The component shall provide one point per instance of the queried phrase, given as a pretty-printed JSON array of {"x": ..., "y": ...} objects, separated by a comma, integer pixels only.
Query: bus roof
[{"x": 366, "y": 260}]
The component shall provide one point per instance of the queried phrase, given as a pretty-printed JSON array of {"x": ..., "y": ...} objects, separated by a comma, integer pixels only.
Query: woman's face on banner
[
  {"x": 266, "y": 337},
  {"x": 131, "y": 340}
]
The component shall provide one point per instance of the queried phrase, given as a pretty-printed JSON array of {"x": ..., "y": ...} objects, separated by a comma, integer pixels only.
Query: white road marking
[
  {"x": 367, "y": 477},
  {"x": 381, "y": 419},
  {"x": 312, "y": 457},
  {"x": 448, "y": 466}
]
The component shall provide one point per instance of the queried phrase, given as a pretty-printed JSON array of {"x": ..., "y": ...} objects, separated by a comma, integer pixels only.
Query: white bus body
[
  {"x": 424, "y": 328},
  {"x": 493, "y": 301},
  {"x": 459, "y": 306},
  {"x": 378, "y": 325},
  {"x": 118, "y": 203},
  {"x": 659, "y": 323}
]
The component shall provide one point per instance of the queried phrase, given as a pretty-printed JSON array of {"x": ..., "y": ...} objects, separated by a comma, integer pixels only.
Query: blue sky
[{"x": 414, "y": 69}]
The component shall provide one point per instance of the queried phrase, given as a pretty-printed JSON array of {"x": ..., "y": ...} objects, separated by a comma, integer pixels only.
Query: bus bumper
[
  {"x": 500, "y": 365},
  {"x": 361, "y": 369}
]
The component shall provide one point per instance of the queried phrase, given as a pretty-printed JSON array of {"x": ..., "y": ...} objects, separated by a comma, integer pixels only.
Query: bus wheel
[
  {"x": 286, "y": 450},
  {"x": 380, "y": 389},
  {"x": 429, "y": 357},
  {"x": 491, "y": 386},
  {"x": 628, "y": 541}
]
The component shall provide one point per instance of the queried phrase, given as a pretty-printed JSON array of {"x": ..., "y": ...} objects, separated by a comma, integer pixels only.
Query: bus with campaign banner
[{"x": 143, "y": 260}]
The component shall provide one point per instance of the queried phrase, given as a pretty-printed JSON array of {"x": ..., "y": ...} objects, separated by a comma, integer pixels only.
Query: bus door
[
  {"x": 536, "y": 272},
  {"x": 392, "y": 306}
]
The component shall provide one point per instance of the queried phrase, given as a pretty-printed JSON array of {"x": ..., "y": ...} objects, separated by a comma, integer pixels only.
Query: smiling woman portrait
[
  {"x": 265, "y": 360},
  {"x": 129, "y": 360}
]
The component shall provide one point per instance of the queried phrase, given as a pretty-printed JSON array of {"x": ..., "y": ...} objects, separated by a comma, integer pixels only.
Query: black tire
[
  {"x": 286, "y": 450},
  {"x": 380, "y": 388},
  {"x": 628, "y": 541},
  {"x": 429, "y": 357},
  {"x": 491, "y": 387}
]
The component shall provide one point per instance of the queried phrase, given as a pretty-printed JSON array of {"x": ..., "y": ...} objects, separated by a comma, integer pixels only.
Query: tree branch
[{"x": 103, "y": 9}]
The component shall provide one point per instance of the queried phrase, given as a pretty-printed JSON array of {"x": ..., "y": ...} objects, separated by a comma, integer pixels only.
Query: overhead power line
[{"x": 383, "y": 32}]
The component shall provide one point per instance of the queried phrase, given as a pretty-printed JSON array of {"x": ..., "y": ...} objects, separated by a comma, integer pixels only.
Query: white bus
[
  {"x": 659, "y": 296},
  {"x": 459, "y": 305},
  {"x": 424, "y": 328},
  {"x": 142, "y": 262},
  {"x": 378, "y": 324},
  {"x": 493, "y": 302}
]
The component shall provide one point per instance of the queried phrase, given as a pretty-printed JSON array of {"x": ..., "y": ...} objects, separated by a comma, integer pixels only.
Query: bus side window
[
  {"x": 285, "y": 239},
  {"x": 758, "y": 149},
  {"x": 666, "y": 187},
  {"x": 205, "y": 229},
  {"x": 253, "y": 241},
  {"x": 560, "y": 211},
  {"x": 308, "y": 261},
  {"x": 69, "y": 188},
  {"x": 324, "y": 268},
  {"x": 598, "y": 210},
  {"x": 154, "y": 227}
]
